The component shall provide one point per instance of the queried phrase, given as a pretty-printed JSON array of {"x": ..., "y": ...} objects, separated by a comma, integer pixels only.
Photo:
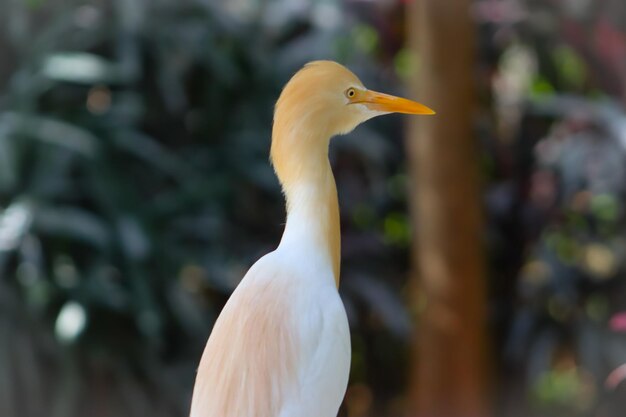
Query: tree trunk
[{"x": 449, "y": 372}]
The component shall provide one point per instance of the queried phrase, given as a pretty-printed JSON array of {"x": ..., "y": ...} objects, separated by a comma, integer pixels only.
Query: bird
[{"x": 281, "y": 345}]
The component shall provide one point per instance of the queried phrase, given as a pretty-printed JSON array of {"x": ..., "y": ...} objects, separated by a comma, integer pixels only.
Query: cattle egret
[{"x": 281, "y": 346}]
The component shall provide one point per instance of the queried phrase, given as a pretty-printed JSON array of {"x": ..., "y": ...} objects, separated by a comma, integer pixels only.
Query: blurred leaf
[
  {"x": 567, "y": 388},
  {"x": 72, "y": 223},
  {"x": 15, "y": 222},
  {"x": 8, "y": 161},
  {"x": 70, "y": 322},
  {"x": 365, "y": 38},
  {"x": 151, "y": 152},
  {"x": 133, "y": 239},
  {"x": 81, "y": 68},
  {"x": 541, "y": 87},
  {"x": 397, "y": 229},
  {"x": 53, "y": 131},
  {"x": 605, "y": 207},
  {"x": 571, "y": 66},
  {"x": 7, "y": 379},
  {"x": 406, "y": 63}
]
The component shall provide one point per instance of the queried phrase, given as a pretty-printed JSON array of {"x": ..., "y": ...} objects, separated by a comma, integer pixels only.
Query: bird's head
[{"x": 325, "y": 95}]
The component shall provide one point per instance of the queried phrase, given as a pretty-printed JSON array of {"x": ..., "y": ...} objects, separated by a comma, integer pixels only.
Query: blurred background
[{"x": 135, "y": 191}]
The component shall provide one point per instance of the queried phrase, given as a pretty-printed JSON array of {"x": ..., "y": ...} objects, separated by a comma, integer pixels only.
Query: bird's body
[
  {"x": 281, "y": 346},
  {"x": 287, "y": 348}
]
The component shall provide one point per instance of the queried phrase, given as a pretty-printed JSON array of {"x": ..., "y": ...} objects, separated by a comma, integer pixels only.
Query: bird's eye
[{"x": 350, "y": 92}]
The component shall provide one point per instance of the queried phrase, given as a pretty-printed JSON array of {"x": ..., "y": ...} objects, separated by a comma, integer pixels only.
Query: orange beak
[{"x": 391, "y": 104}]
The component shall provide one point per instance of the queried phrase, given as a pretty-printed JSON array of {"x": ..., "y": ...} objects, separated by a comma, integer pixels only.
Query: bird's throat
[{"x": 304, "y": 171}]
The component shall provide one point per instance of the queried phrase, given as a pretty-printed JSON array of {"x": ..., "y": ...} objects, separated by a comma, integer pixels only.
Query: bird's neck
[{"x": 301, "y": 163}]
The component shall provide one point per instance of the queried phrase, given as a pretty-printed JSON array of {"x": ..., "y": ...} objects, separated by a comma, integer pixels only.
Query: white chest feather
[{"x": 281, "y": 347}]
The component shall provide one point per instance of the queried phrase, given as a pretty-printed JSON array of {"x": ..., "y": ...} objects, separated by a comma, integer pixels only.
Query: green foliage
[
  {"x": 129, "y": 163},
  {"x": 135, "y": 188},
  {"x": 571, "y": 67}
]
